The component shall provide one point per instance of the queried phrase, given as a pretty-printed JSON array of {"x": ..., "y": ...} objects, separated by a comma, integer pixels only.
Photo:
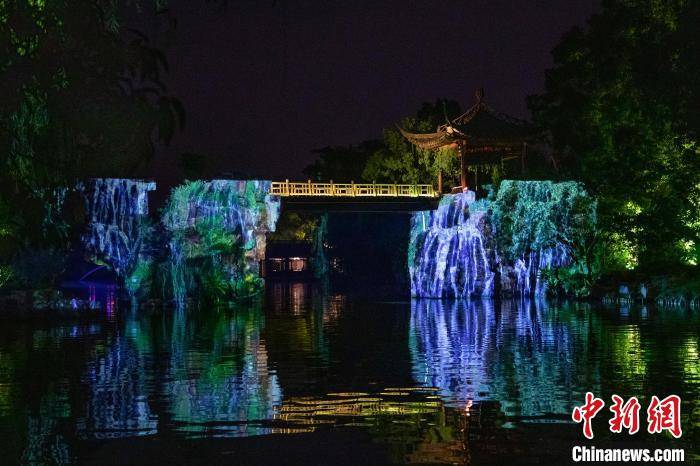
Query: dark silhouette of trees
[
  {"x": 622, "y": 106},
  {"x": 83, "y": 97}
]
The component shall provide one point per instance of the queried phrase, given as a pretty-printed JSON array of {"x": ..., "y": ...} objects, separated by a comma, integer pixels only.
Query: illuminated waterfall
[
  {"x": 453, "y": 252},
  {"x": 217, "y": 233},
  {"x": 116, "y": 209},
  {"x": 213, "y": 231},
  {"x": 524, "y": 277},
  {"x": 499, "y": 245}
]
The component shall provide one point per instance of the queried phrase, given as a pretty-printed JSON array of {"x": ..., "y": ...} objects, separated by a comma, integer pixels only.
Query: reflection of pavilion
[{"x": 520, "y": 354}]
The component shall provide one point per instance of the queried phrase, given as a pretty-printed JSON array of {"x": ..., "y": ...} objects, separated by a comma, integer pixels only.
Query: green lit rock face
[
  {"x": 217, "y": 233},
  {"x": 507, "y": 243},
  {"x": 209, "y": 240}
]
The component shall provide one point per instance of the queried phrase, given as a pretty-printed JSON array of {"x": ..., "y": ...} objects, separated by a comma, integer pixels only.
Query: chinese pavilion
[{"x": 481, "y": 136}]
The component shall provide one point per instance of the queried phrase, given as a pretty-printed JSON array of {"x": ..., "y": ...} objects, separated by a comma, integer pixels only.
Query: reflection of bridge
[{"x": 357, "y": 197}]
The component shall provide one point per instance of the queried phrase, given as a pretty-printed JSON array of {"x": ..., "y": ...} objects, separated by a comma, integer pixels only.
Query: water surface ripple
[{"x": 422, "y": 381}]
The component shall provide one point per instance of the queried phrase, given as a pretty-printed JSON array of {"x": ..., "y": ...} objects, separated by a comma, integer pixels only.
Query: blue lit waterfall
[
  {"x": 453, "y": 252},
  {"x": 210, "y": 236},
  {"x": 117, "y": 212},
  {"x": 214, "y": 233},
  {"x": 498, "y": 245}
]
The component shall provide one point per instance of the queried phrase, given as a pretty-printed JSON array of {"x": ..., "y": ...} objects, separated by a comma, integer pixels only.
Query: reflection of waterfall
[
  {"x": 517, "y": 353},
  {"x": 219, "y": 378},
  {"x": 449, "y": 342},
  {"x": 44, "y": 444},
  {"x": 117, "y": 208},
  {"x": 118, "y": 399}
]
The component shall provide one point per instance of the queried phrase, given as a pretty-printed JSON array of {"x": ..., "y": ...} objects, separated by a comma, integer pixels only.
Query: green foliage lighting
[
  {"x": 621, "y": 108},
  {"x": 536, "y": 215},
  {"x": 217, "y": 231}
]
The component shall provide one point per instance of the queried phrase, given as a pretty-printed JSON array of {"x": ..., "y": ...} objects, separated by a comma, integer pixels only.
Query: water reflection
[
  {"x": 223, "y": 384},
  {"x": 358, "y": 408},
  {"x": 97, "y": 294},
  {"x": 523, "y": 354},
  {"x": 295, "y": 297},
  {"x": 537, "y": 360},
  {"x": 216, "y": 379},
  {"x": 301, "y": 361},
  {"x": 117, "y": 398}
]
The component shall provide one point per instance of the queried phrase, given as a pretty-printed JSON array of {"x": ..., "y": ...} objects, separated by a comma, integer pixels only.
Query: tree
[
  {"x": 399, "y": 161},
  {"x": 341, "y": 163},
  {"x": 83, "y": 97},
  {"x": 622, "y": 107}
]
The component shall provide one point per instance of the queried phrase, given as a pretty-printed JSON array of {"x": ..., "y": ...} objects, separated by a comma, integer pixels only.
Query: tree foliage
[
  {"x": 342, "y": 163},
  {"x": 535, "y": 215},
  {"x": 83, "y": 96},
  {"x": 295, "y": 226},
  {"x": 623, "y": 110},
  {"x": 397, "y": 160},
  {"x": 540, "y": 215}
]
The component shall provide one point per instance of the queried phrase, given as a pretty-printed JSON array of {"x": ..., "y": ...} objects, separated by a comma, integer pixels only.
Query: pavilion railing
[{"x": 352, "y": 189}]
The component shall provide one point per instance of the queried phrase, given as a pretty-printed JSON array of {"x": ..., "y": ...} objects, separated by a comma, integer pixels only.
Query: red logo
[
  {"x": 624, "y": 415},
  {"x": 661, "y": 415},
  {"x": 587, "y": 412},
  {"x": 665, "y": 415}
]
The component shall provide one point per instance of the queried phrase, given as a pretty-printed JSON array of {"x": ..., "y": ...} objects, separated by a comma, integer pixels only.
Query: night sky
[{"x": 264, "y": 82}]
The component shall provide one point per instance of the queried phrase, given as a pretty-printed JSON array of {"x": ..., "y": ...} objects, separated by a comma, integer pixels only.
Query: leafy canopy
[
  {"x": 83, "y": 97},
  {"x": 622, "y": 105}
]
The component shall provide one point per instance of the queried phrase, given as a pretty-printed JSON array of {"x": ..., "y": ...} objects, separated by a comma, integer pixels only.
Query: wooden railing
[{"x": 331, "y": 189}]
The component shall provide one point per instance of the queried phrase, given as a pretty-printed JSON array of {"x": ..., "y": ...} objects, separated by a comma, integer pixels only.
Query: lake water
[{"x": 302, "y": 377}]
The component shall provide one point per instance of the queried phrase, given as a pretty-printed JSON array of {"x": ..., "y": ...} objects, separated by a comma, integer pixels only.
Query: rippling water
[{"x": 302, "y": 376}]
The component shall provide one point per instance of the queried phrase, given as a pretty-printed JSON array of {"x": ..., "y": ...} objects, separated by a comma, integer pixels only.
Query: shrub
[
  {"x": 38, "y": 268},
  {"x": 6, "y": 275}
]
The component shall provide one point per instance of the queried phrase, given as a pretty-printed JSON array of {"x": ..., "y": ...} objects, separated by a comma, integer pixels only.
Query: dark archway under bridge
[
  {"x": 364, "y": 230},
  {"x": 359, "y": 205}
]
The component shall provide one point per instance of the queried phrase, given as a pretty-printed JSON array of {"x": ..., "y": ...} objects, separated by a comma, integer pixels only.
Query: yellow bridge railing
[{"x": 331, "y": 189}]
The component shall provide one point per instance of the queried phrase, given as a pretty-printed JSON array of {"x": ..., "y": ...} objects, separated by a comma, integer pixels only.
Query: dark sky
[{"x": 264, "y": 82}]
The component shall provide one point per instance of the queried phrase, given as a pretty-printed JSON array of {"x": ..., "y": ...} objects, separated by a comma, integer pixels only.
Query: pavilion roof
[{"x": 478, "y": 126}]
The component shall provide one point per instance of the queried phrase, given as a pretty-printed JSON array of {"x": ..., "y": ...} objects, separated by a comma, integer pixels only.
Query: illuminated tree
[
  {"x": 621, "y": 104},
  {"x": 399, "y": 161}
]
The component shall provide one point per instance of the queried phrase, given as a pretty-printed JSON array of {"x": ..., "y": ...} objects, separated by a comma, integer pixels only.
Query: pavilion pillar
[
  {"x": 439, "y": 181},
  {"x": 463, "y": 166}
]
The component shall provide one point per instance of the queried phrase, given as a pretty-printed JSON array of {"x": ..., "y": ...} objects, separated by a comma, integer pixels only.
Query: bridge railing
[{"x": 352, "y": 189}]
